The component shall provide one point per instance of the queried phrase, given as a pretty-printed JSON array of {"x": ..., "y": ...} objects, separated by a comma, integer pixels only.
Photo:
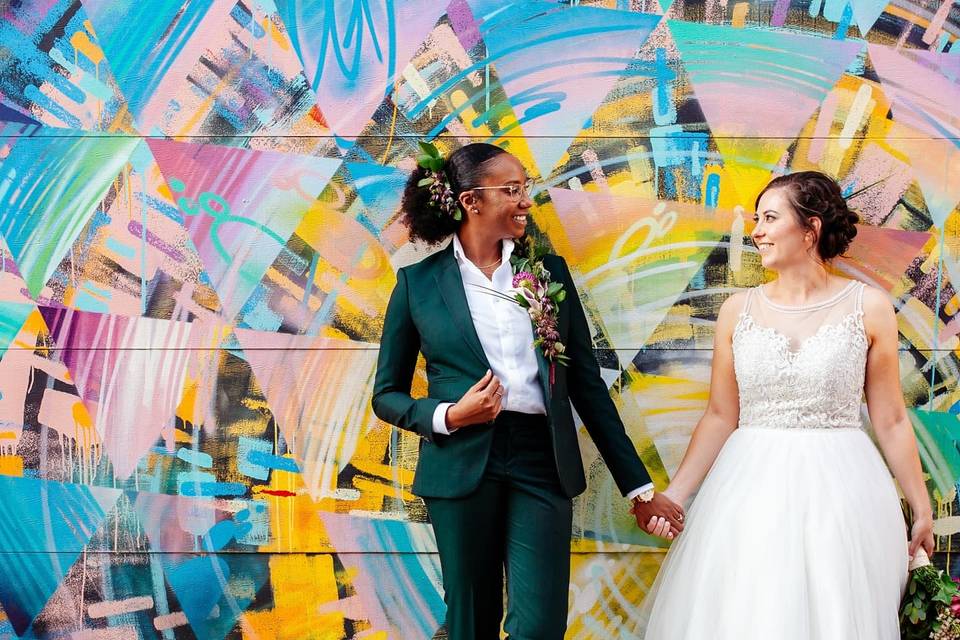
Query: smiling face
[
  {"x": 500, "y": 215},
  {"x": 779, "y": 235}
]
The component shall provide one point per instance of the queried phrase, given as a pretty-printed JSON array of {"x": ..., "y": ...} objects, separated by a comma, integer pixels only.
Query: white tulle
[{"x": 796, "y": 533}]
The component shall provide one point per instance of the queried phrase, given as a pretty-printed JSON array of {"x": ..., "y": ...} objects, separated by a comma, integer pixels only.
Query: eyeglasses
[{"x": 514, "y": 191}]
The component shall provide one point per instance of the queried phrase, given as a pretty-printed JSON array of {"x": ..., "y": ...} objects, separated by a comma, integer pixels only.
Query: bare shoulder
[
  {"x": 734, "y": 305},
  {"x": 730, "y": 311},
  {"x": 878, "y": 314},
  {"x": 876, "y": 300}
]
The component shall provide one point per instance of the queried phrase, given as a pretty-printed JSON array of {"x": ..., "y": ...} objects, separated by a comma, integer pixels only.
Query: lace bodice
[{"x": 813, "y": 382}]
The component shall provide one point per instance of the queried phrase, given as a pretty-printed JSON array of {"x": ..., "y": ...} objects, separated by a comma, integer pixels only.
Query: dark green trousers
[{"x": 518, "y": 522}]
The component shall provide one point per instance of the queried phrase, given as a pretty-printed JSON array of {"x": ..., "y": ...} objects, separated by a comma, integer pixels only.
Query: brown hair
[{"x": 816, "y": 195}]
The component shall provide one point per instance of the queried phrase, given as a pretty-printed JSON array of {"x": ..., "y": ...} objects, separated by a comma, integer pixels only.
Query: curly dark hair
[
  {"x": 464, "y": 169},
  {"x": 817, "y": 195}
]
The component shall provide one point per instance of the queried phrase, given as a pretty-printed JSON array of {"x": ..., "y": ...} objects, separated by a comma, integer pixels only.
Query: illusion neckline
[
  {"x": 829, "y": 302},
  {"x": 746, "y": 322}
]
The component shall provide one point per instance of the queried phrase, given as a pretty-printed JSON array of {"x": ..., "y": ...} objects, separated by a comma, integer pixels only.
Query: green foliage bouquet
[{"x": 931, "y": 603}]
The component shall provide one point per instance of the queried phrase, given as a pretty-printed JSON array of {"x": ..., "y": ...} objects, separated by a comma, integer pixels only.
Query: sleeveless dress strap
[
  {"x": 746, "y": 305},
  {"x": 860, "y": 288}
]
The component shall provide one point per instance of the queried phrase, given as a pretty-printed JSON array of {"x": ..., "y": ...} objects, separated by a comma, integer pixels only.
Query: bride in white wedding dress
[{"x": 796, "y": 531}]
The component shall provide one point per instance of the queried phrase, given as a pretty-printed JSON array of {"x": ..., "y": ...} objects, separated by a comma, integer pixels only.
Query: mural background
[{"x": 198, "y": 211}]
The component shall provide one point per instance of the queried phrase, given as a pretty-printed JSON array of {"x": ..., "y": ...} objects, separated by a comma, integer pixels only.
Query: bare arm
[
  {"x": 889, "y": 415},
  {"x": 723, "y": 408}
]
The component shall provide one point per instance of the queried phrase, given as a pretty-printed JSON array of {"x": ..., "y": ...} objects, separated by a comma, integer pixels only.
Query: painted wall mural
[{"x": 198, "y": 214}]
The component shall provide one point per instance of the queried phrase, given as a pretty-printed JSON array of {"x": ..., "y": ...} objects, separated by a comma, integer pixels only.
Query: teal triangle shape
[
  {"x": 208, "y": 583},
  {"x": 866, "y": 13},
  {"x": 44, "y": 527},
  {"x": 12, "y": 317},
  {"x": 60, "y": 181}
]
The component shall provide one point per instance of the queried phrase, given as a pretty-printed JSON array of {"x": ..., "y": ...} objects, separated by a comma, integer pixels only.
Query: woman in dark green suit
[{"x": 499, "y": 460}]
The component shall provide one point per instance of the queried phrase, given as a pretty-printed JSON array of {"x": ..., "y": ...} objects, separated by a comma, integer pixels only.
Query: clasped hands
[
  {"x": 482, "y": 403},
  {"x": 661, "y": 516}
]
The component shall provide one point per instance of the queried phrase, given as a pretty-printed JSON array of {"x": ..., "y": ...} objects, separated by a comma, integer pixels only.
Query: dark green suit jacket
[{"x": 428, "y": 313}]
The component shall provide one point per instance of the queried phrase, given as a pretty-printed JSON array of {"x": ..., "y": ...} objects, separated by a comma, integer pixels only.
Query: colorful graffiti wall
[{"x": 198, "y": 212}]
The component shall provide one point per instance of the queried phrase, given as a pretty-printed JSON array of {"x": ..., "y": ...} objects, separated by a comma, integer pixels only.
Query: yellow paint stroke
[
  {"x": 11, "y": 466},
  {"x": 300, "y": 585},
  {"x": 739, "y": 17},
  {"x": 468, "y": 115},
  {"x": 393, "y": 125},
  {"x": 187, "y": 409},
  {"x": 275, "y": 34},
  {"x": 87, "y": 440},
  {"x": 83, "y": 44}
]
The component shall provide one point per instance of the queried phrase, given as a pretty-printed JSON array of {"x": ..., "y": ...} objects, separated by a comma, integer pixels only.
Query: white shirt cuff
[
  {"x": 630, "y": 496},
  {"x": 440, "y": 418}
]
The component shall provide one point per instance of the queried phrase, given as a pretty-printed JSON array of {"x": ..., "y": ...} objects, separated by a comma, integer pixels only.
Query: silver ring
[{"x": 499, "y": 393}]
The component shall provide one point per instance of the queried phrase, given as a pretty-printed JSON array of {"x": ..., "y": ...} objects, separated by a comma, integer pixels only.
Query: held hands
[
  {"x": 480, "y": 404},
  {"x": 661, "y": 516}
]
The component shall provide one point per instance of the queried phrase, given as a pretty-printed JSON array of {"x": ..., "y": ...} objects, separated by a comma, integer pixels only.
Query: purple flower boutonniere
[{"x": 533, "y": 290}]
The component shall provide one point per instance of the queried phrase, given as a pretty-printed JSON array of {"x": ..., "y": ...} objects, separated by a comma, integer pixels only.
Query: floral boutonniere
[{"x": 533, "y": 290}]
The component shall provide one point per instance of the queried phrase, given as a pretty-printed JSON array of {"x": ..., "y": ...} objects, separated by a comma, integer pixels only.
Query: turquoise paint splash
[{"x": 12, "y": 317}]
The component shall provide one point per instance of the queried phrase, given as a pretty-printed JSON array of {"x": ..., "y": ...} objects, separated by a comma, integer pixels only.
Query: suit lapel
[
  {"x": 450, "y": 285},
  {"x": 544, "y": 368}
]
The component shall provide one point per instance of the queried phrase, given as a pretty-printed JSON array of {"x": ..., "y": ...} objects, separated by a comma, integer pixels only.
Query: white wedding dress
[{"x": 796, "y": 532}]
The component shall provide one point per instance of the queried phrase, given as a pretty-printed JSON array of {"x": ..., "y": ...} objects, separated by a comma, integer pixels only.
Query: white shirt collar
[{"x": 506, "y": 247}]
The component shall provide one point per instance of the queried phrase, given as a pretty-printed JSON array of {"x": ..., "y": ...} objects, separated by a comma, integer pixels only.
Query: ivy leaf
[{"x": 429, "y": 149}]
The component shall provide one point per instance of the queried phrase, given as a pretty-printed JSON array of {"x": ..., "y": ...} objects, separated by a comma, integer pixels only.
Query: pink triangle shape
[
  {"x": 130, "y": 374},
  {"x": 883, "y": 254},
  {"x": 352, "y": 55},
  {"x": 319, "y": 390},
  {"x": 722, "y": 62},
  {"x": 758, "y": 88},
  {"x": 240, "y": 207}
]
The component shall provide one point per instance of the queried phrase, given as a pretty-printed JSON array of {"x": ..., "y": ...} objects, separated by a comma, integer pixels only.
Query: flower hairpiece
[{"x": 441, "y": 195}]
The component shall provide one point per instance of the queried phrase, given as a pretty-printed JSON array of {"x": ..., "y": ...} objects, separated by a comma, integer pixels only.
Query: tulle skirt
[{"x": 795, "y": 534}]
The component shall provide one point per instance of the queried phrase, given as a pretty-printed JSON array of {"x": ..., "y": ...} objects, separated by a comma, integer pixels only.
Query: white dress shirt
[{"x": 506, "y": 335}]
